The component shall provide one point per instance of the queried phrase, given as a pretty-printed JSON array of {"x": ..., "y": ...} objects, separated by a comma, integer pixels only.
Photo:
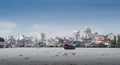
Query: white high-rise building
[
  {"x": 87, "y": 32},
  {"x": 41, "y": 36},
  {"x": 76, "y": 35}
]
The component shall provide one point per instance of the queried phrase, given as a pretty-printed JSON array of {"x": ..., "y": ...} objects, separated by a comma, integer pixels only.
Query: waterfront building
[
  {"x": 87, "y": 32},
  {"x": 10, "y": 41},
  {"x": 41, "y": 37},
  {"x": 87, "y": 35},
  {"x": 76, "y": 35},
  {"x": 95, "y": 34},
  {"x": 51, "y": 42},
  {"x": 98, "y": 39},
  {"x": 21, "y": 37},
  {"x": 24, "y": 41}
]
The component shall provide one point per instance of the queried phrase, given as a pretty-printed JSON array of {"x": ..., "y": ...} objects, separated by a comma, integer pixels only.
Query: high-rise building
[
  {"x": 41, "y": 36},
  {"x": 76, "y": 35}
]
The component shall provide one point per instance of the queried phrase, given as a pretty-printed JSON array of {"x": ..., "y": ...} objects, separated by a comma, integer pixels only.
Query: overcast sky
[{"x": 58, "y": 17}]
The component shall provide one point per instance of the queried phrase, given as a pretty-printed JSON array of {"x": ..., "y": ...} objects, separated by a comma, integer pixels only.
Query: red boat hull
[{"x": 69, "y": 46}]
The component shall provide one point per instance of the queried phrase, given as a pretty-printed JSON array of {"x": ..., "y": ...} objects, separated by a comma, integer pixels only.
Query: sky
[{"x": 58, "y": 17}]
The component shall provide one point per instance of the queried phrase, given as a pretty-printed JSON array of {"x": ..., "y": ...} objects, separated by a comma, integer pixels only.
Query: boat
[{"x": 68, "y": 45}]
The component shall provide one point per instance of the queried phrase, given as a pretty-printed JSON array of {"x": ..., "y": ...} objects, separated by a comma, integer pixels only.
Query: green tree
[
  {"x": 118, "y": 41},
  {"x": 112, "y": 42},
  {"x": 1, "y": 39}
]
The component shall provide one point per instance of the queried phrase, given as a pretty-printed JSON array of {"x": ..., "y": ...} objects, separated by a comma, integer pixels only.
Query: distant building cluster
[{"x": 78, "y": 39}]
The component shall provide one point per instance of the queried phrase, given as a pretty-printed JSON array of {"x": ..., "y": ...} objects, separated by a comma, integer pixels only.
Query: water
[{"x": 59, "y": 56}]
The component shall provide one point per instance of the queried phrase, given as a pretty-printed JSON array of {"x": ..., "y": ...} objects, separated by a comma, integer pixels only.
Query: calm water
[{"x": 59, "y": 56}]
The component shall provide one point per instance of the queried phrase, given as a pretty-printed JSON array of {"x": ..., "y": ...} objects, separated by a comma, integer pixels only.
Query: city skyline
[{"x": 58, "y": 17}]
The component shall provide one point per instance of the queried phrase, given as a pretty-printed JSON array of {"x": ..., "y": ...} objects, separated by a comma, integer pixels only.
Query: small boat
[{"x": 69, "y": 46}]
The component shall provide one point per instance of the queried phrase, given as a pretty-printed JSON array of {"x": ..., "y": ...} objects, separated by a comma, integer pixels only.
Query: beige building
[{"x": 87, "y": 32}]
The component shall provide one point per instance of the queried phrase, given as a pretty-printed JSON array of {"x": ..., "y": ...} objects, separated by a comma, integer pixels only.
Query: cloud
[
  {"x": 64, "y": 32},
  {"x": 7, "y": 27},
  {"x": 51, "y": 30},
  {"x": 37, "y": 26},
  {"x": 6, "y": 31},
  {"x": 44, "y": 27}
]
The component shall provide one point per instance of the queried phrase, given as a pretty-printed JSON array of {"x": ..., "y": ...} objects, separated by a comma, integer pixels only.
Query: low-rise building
[{"x": 98, "y": 39}]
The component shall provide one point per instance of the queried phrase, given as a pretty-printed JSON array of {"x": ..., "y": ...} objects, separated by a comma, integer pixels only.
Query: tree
[
  {"x": 1, "y": 39},
  {"x": 118, "y": 41},
  {"x": 111, "y": 41}
]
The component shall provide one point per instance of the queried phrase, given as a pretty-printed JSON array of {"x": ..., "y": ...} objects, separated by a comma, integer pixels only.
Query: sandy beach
[{"x": 59, "y": 56}]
